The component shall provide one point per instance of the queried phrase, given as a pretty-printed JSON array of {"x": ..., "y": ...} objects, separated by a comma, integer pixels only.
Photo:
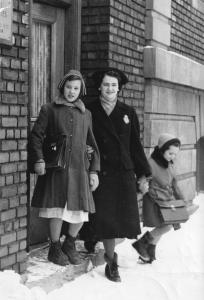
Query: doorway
[{"x": 50, "y": 57}]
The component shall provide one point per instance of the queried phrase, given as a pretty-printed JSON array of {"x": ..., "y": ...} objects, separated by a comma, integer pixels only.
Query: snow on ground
[{"x": 177, "y": 274}]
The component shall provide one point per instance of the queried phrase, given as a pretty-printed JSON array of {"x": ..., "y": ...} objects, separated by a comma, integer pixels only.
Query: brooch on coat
[{"x": 126, "y": 119}]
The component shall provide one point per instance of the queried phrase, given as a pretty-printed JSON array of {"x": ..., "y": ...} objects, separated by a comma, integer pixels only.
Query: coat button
[{"x": 104, "y": 173}]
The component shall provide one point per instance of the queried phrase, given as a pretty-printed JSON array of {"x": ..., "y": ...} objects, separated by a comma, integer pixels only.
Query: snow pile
[
  {"x": 11, "y": 287},
  {"x": 177, "y": 274}
]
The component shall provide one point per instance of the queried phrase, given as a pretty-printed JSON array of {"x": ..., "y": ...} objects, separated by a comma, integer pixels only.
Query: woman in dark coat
[
  {"x": 117, "y": 133},
  {"x": 65, "y": 194}
]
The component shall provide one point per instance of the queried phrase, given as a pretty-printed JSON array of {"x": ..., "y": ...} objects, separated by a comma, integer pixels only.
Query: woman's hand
[
  {"x": 93, "y": 181},
  {"x": 89, "y": 151},
  {"x": 39, "y": 167},
  {"x": 143, "y": 185}
]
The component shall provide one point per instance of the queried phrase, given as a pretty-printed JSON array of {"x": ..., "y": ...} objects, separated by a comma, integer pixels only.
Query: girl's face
[
  {"x": 109, "y": 88},
  {"x": 171, "y": 153},
  {"x": 72, "y": 90}
]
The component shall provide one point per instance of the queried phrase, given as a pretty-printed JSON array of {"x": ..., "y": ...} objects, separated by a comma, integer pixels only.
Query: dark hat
[
  {"x": 67, "y": 76},
  {"x": 114, "y": 72}
]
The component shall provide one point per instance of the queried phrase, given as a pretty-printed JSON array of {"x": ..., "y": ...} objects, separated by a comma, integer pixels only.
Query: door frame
[{"x": 72, "y": 55}]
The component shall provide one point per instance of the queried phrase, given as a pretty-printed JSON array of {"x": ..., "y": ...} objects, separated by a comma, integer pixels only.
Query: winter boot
[
  {"x": 90, "y": 246},
  {"x": 111, "y": 268},
  {"x": 142, "y": 245},
  {"x": 151, "y": 251},
  {"x": 56, "y": 255},
  {"x": 69, "y": 249}
]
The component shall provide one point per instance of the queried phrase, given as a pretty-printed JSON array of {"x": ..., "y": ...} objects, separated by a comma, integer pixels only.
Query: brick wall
[
  {"x": 187, "y": 30},
  {"x": 113, "y": 35},
  {"x": 13, "y": 141}
]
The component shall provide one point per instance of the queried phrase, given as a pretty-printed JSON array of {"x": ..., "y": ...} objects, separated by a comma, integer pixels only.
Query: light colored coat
[{"x": 71, "y": 186}]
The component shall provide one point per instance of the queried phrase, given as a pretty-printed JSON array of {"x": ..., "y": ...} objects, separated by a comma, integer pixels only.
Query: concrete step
[{"x": 49, "y": 276}]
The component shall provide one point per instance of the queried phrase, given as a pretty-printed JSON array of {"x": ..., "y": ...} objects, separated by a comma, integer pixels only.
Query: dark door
[{"x": 47, "y": 67}]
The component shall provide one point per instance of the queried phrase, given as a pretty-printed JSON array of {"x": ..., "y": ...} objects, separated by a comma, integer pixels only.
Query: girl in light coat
[{"x": 65, "y": 194}]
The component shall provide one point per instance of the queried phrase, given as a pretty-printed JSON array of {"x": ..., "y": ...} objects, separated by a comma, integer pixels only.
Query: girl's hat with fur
[
  {"x": 69, "y": 74},
  {"x": 166, "y": 139},
  {"x": 98, "y": 76}
]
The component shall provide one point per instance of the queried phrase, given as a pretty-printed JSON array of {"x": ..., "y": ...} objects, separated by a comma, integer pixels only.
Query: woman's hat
[
  {"x": 167, "y": 139},
  {"x": 98, "y": 76},
  {"x": 66, "y": 77}
]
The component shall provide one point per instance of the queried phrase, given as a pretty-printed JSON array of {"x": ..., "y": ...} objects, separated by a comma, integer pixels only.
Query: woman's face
[
  {"x": 72, "y": 90},
  {"x": 109, "y": 88},
  {"x": 171, "y": 153}
]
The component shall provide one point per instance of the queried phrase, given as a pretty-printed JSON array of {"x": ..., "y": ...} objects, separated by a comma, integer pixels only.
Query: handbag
[
  {"x": 55, "y": 153},
  {"x": 172, "y": 211}
]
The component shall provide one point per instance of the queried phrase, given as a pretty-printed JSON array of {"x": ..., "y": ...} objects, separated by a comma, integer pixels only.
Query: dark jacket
[
  {"x": 71, "y": 185},
  {"x": 118, "y": 139},
  {"x": 122, "y": 156}
]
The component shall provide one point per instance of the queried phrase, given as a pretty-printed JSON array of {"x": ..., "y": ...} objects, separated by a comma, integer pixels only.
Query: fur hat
[
  {"x": 66, "y": 77},
  {"x": 98, "y": 76},
  {"x": 166, "y": 140}
]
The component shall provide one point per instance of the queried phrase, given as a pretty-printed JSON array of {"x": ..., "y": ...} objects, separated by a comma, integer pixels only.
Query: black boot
[
  {"x": 69, "y": 249},
  {"x": 90, "y": 246},
  {"x": 56, "y": 255},
  {"x": 111, "y": 268},
  {"x": 142, "y": 245},
  {"x": 151, "y": 251}
]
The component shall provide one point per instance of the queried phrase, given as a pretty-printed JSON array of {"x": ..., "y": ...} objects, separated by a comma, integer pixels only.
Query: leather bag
[
  {"x": 55, "y": 153},
  {"x": 173, "y": 211}
]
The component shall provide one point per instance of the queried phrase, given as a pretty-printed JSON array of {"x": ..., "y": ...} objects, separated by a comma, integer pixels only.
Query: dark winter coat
[
  {"x": 71, "y": 185},
  {"x": 163, "y": 186},
  {"x": 122, "y": 157}
]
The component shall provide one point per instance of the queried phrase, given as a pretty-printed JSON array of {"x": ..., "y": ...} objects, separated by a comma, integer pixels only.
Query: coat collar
[
  {"x": 78, "y": 103},
  {"x": 105, "y": 120}
]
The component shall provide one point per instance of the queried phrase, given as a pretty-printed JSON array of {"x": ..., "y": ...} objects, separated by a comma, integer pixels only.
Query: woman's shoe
[{"x": 111, "y": 268}]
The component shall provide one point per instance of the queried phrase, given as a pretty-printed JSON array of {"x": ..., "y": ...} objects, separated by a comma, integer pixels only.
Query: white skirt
[{"x": 71, "y": 216}]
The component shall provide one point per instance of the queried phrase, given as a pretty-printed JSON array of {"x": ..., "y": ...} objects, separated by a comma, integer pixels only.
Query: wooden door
[{"x": 46, "y": 69}]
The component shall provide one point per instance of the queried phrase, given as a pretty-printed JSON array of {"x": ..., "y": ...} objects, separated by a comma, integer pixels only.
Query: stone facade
[{"x": 13, "y": 141}]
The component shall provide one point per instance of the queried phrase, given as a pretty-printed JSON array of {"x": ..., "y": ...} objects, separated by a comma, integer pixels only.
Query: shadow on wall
[{"x": 200, "y": 165}]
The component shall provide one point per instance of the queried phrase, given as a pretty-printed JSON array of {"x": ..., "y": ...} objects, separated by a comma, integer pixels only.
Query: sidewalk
[{"x": 42, "y": 273}]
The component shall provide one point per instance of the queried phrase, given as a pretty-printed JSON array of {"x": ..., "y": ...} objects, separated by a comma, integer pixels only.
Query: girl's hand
[
  {"x": 39, "y": 167},
  {"x": 93, "y": 181},
  {"x": 143, "y": 185},
  {"x": 89, "y": 151}
]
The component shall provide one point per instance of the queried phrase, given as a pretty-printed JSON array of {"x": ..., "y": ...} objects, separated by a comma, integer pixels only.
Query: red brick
[
  {"x": 13, "y": 247},
  {"x": 7, "y": 261},
  {"x": 8, "y": 238},
  {"x": 3, "y": 251},
  {"x": 9, "y": 145},
  {"x": 8, "y": 215},
  {"x": 4, "y": 204},
  {"x": 9, "y": 191}
]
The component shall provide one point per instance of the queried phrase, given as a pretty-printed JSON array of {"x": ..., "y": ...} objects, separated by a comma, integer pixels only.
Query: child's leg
[
  {"x": 55, "y": 229},
  {"x": 157, "y": 233},
  {"x": 55, "y": 253},
  {"x": 74, "y": 229},
  {"x": 69, "y": 247}
]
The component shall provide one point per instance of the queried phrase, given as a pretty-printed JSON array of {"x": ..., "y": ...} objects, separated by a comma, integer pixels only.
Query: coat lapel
[{"x": 104, "y": 120}]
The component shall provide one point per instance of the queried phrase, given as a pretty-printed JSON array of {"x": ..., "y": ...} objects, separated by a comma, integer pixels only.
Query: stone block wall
[
  {"x": 13, "y": 142},
  {"x": 174, "y": 71}
]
